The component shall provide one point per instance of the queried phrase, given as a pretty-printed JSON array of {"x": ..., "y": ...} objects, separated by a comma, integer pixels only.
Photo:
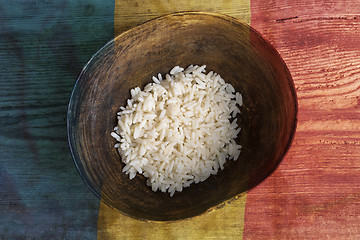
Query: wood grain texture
[
  {"x": 224, "y": 223},
  {"x": 130, "y": 13},
  {"x": 315, "y": 192},
  {"x": 43, "y": 46}
]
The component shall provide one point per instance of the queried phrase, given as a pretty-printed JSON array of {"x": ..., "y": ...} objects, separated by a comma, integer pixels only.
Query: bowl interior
[{"x": 232, "y": 49}]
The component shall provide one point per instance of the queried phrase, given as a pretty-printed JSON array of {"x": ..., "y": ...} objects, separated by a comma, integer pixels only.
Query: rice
[{"x": 180, "y": 129}]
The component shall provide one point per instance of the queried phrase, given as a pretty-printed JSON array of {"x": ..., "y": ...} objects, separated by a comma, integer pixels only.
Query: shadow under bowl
[{"x": 227, "y": 46}]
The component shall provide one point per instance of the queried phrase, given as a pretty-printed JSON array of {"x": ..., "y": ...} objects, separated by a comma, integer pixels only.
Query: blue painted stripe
[{"x": 43, "y": 47}]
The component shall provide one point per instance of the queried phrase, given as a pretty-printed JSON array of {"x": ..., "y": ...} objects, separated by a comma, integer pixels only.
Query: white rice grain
[{"x": 180, "y": 129}]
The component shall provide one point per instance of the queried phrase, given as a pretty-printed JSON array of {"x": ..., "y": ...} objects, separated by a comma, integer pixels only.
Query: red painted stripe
[{"x": 315, "y": 192}]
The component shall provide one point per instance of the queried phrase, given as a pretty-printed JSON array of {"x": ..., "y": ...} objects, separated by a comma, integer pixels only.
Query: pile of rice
[{"x": 179, "y": 130}]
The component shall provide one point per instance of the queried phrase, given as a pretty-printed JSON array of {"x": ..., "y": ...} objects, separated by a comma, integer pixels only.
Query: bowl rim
[{"x": 230, "y": 19}]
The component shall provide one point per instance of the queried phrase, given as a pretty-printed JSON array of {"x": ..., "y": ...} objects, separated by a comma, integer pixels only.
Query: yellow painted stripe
[
  {"x": 224, "y": 223},
  {"x": 130, "y": 13}
]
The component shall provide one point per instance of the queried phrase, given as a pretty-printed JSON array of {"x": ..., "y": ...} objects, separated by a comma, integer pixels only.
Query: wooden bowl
[{"x": 227, "y": 46}]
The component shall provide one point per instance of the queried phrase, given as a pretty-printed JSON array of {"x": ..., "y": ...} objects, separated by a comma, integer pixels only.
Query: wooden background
[{"x": 314, "y": 193}]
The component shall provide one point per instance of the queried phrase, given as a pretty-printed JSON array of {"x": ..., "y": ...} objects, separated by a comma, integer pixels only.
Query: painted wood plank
[
  {"x": 43, "y": 47},
  {"x": 315, "y": 192},
  {"x": 129, "y": 14},
  {"x": 225, "y": 223}
]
